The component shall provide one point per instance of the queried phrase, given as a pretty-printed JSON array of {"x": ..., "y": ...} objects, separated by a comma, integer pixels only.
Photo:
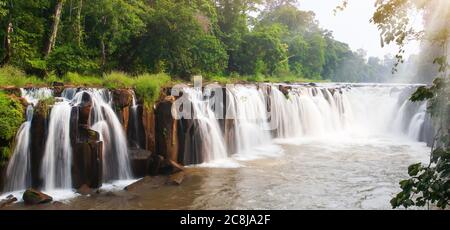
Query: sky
[{"x": 352, "y": 25}]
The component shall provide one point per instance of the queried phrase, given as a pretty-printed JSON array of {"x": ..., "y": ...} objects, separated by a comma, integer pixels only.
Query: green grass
[
  {"x": 148, "y": 86},
  {"x": 80, "y": 80}
]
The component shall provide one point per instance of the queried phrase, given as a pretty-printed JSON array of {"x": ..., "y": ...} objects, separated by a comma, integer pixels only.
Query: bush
[
  {"x": 69, "y": 58},
  {"x": 11, "y": 113},
  {"x": 117, "y": 80},
  {"x": 148, "y": 87}
]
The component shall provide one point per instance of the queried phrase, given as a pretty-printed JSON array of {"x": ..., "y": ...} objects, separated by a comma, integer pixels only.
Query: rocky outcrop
[
  {"x": 58, "y": 88},
  {"x": 33, "y": 197},
  {"x": 87, "y": 165},
  {"x": 122, "y": 100},
  {"x": 3, "y": 168},
  {"x": 167, "y": 129},
  {"x": 139, "y": 161},
  {"x": 38, "y": 135},
  {"x": 148, "y": 124}
]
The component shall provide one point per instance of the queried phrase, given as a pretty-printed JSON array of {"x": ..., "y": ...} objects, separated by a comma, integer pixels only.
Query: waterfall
[
  {"x": 247, "y": 104},
  {"x": 18, "y": 173},
  {"x": 134, "y": 129},
  {"x": 116, "y": 162},
  {"x": 212, "y": 142},
  {"x": 260, "y": 114},
  {"x": 56, "y": 164}
]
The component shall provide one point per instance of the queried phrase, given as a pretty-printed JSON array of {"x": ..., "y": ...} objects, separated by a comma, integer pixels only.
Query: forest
[{"x": 220, "y": 39}]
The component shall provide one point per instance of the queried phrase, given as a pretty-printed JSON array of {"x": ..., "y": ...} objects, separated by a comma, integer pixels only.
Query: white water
[
  {"x": 134, "y": 114},
  {"x": 56, "y": 164},
  {"x": 247, "y": 105},
  {"x": 116, "y": 162},
  {"x": 324, "y": 111},
  {"x": 209, "y": 129},
  {"x": 18, "y": 173}
]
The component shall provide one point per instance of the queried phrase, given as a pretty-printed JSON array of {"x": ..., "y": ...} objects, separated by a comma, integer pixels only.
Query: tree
[{"x": 54, "y": 29}]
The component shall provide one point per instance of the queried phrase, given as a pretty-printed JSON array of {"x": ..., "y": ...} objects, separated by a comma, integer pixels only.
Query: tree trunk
[
  {"x": 78, "y": 26},
  {"x": 54, "y": 30},
  {"x": 103, "y": 54},
  {"x": 7, "y": 45}
]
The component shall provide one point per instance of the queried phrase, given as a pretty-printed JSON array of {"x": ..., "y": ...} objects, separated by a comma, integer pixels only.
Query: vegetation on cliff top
[{"x": 12, "y": 116}]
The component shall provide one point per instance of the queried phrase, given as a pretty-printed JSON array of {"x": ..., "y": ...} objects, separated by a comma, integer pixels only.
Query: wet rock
[
  {"x": 122, "y": 98},
  {"x": 167, "y": 129},
  {"x": 139, "y": 158},
  {"x": 137, "y": 130},
  {"x": 284, "y": 89},
  {"x": 87, "y": 159},
  {"x": 58, "y": 88},
  {"x": 154, "y": 164},
  {"x": 85, "y": 109},
  {"x": 176, "y": 178},
  {"x": 38, "y": 135},
  {"x": 312, "y": 84},
  {"x": 86, "y": 190},
  {"x": 87, "y": 166},
  {"x": 33, "y": 197},
  {"x": 8, "y": 201},
  {"x": 191, "y": 148},
  {"x": 148, "y": 121}
]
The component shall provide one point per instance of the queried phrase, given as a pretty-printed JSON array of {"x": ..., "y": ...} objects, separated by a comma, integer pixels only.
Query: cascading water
[
  {"x": 18, "y": 173},
  {"x": 212, "y": 142},
  {"x": 247, "y": 106},
  {"x": 116, "y": 162},
  {"x": 56, "y": 164},
  {"x": 326, "y": 110},
  {"x": 134, "y": 130}
]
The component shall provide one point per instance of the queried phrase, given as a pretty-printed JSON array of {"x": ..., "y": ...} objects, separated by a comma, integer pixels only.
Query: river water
[{"x": 332, "y": 173}]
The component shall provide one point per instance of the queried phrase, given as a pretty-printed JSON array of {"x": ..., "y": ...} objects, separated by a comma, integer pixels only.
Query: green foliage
[
  {"x": 12, "y": 76},
  {"x": 181, "y": 38},
  {"x": 117, "y": 80},
  {"x": 82, "y": 80},
  {"x": 43, "y": 107},
  {"x": 69, "y": 58},
  {"x": 148, "y": 87},
  {"x": 12, "y": 114}
]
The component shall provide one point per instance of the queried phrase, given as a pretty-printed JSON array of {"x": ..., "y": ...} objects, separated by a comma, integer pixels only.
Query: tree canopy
[{"x": 181, "y": 37}]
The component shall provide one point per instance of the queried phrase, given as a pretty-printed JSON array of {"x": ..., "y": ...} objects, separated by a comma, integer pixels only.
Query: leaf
[{"x": 414, "y": 169}]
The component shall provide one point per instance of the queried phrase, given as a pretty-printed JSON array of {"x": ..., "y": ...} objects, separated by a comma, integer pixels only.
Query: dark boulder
[
  {"x": 58, "y": 88},
  {"x": 33, "y": 197},
  {"x": 154, "y": 164},
  {"x": 139, "y": 159}
]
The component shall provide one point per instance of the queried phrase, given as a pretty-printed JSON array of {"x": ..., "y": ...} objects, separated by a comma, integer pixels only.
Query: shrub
[
  {"x": 148, "y": 87},
  {"x": 117, "y": 80},
  {"x": 11, "y": 113}
]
